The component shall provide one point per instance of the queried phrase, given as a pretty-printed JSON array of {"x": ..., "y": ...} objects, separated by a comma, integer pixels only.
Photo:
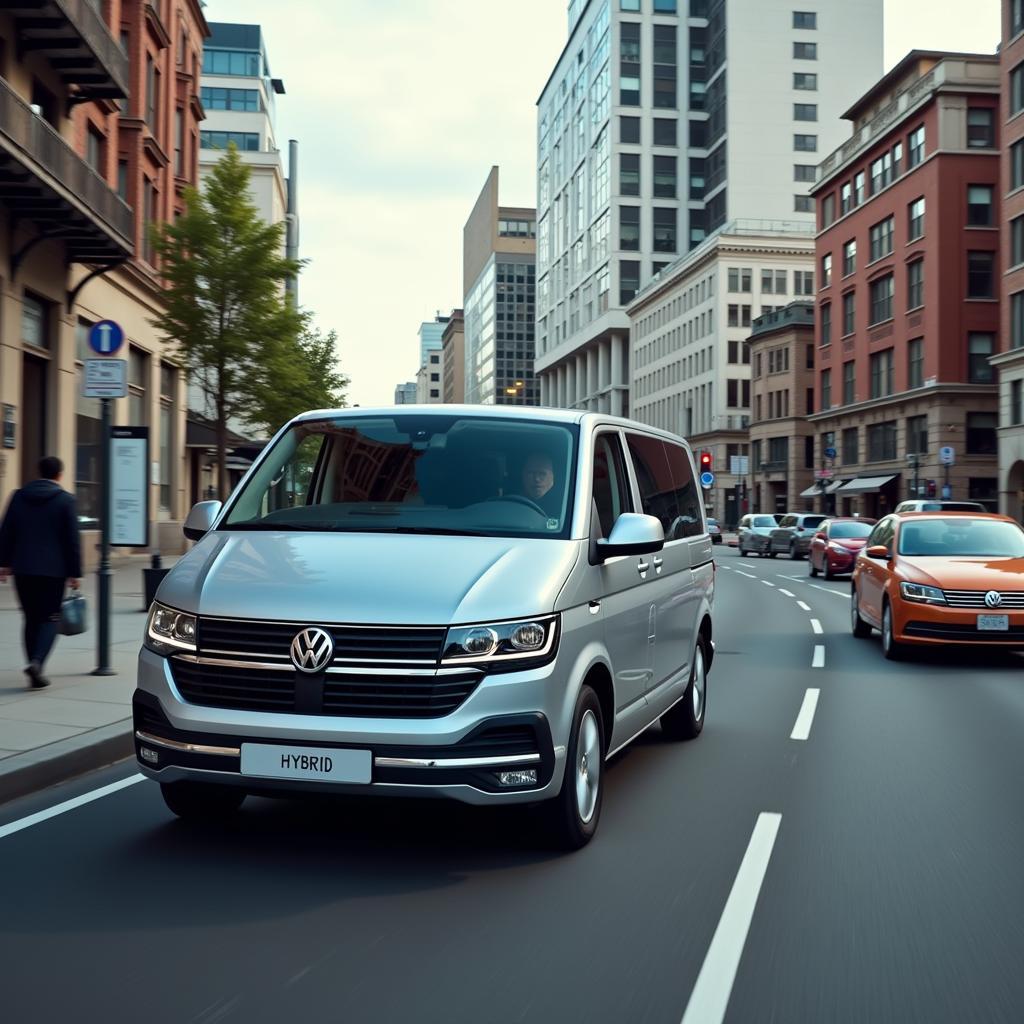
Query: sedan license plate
[
  {"x": 308, "y": 764},
  {"x": 1000, "y": 623}
]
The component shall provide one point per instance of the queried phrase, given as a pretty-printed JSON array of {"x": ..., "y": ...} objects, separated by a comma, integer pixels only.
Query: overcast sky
[{"x": 401, "y": 107}]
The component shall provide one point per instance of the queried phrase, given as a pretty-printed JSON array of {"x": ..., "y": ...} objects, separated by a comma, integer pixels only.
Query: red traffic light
[{"x": 705, "y": 462}]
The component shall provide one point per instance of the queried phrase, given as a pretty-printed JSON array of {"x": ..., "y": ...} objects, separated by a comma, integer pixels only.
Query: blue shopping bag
[{"x": 73, "y": 615}]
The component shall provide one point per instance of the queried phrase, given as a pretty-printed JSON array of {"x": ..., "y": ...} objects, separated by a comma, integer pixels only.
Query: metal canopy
[{"x": 866, "y": 484}]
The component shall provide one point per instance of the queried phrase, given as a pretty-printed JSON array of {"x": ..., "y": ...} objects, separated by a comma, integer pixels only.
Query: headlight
[
  {"x": 839, "y": 549},
  {"x": 922, "y": 594},
  {"x": 168, "y": 630},
  {"x": 502, "y": 645}
]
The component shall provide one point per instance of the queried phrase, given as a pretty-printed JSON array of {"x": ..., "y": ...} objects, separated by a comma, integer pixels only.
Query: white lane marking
[
  {"x": 826, "y": 590},
  {"x": 67, "y": 805},
  {"x": 786, "y": 592},
  {"x": 818, "y": 661},
  {"x": 802, "y": 729},
  {"x": 816, "y": 626},
  {"x": 803, "y": 606},
  {"x": 710, "y": 997},
  {"x": 767, "y": 583},
  {"x": 749, "y": 575}
]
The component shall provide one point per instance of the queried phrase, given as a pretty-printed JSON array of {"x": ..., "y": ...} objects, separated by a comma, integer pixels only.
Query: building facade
[
  {"x": 782, "y": 386},
  {"x": 662, "y": 121},
  {"x": 690, "y": 327},
  {"x": 406, "y": 394},
  {"x": 1009, "y": 363},
  {"x": 908, "y": 300},
  {"x": 430, "y": 379},
  {"x": 499, "y": 295},
  {"x": 453, "y": 360},
  {"x": 431, "y": 335},
  {"x": 98, "y": 138}
]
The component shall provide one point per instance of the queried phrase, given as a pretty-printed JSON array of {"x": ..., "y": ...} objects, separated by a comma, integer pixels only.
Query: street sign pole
[{"x": 104, "y": 573}]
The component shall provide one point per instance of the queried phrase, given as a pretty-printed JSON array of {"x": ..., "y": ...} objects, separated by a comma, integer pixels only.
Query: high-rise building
[
  {"x": 431, "y": 335},
  {"x": 662, "y": 121},
  {"x": 908, "y": 287},
  {"x": 498, "y": 281},
  {"x": 1010, "y": 361},
  {"x": 430, "y": 379},
  {"x": 405, "y": 394},
  {"x": 453, "y": 389}
]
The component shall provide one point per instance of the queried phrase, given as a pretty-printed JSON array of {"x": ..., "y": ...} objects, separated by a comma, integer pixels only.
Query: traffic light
[{"x": 705, "y": 462}]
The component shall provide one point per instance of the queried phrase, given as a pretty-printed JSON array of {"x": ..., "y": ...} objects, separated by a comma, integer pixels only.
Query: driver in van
[{"x": 538, "y": 482}]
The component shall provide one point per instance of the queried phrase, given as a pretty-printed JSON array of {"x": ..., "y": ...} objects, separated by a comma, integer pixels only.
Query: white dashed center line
[
  {"x": 749, "y": 575},
  {"x": 802, "y": 729},
  {"x": 767, "y": 583},
  {"x": 816, "y": 626},
  {"x": 818, "y": 661},
  {"x": 803, "y": 606}
]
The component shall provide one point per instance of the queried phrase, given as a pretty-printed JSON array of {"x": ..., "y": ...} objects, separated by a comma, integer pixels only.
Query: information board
[{"x": 129, "y": 487}]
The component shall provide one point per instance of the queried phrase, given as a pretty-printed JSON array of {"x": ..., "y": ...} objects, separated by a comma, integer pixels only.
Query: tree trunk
[{"x": 222, "y": 453}]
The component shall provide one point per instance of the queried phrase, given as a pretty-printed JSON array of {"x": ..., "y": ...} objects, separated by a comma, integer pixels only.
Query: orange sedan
[{"x": 940, "y": 578}]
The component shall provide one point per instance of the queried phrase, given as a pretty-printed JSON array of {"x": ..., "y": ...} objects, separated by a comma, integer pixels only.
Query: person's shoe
[{"x": 36, "y": 678}]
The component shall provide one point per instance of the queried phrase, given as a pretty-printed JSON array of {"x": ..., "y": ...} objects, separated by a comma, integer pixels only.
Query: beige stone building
[
  {"x": 782, "y": 394},
  {"x": 453, "y": 343}
]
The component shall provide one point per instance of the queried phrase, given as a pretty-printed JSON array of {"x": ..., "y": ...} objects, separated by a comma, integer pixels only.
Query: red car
[{"x": 834, "y": 547}]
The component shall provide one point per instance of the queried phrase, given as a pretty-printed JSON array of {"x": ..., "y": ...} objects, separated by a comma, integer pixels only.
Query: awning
[
  {"x": 815, "y": 489},
  {"x": 866, "y": 484}
]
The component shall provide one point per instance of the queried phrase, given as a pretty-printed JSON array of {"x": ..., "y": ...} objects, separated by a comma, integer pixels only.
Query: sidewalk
[{"x": 81, "y": 721}]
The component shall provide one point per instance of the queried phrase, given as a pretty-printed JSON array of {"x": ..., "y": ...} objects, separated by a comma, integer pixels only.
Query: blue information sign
[
  {"x": 106, "y": 337},
  {"x": 830, "y": 453},
  {"x": 706, "y": 480}
]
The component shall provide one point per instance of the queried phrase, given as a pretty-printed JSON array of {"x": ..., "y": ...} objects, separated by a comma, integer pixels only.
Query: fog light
[
  {"x": 149, "y": 755},
  {"x": 524, "y": 777}
]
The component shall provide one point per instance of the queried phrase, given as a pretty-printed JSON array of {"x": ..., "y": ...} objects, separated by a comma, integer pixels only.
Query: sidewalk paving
[{"x": 81, "y": 721}]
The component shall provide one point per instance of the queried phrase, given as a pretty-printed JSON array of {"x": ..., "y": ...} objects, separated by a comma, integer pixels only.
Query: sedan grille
[{"x": 976, "y": 599}]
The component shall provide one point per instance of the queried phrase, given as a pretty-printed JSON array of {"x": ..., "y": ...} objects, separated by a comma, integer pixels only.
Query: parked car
[
  {"x": 835, "y": 544},
  {"x": 793, "y": 534},
  {"x": 432, "y": 601},
  {"x": 930, "y": 505},
  {"x": 754, "y": 532},
  {"x": 714, "y": 531},
  {"x": 956, "y": 578}
]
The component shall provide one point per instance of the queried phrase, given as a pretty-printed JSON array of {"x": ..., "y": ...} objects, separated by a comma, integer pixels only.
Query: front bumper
[{"x": 935, "y": 625}]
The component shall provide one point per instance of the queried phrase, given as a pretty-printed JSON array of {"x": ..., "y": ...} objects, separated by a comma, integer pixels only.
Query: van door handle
[
  {"x": 658, "y": 563},
  {"x": 642, "y": 567}
]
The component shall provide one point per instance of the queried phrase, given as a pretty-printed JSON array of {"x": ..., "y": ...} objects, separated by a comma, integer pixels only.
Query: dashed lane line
[
  {"x": 768, "y": 583},
  {"x": 816, "y": 626},
  {"x": 803, "y": 606},
  {"x": 802, "y": 728},
  {"x": 749, "y": 575},
  {"x": 786, "y": 592},
  {"x": 818, "y": 661}
]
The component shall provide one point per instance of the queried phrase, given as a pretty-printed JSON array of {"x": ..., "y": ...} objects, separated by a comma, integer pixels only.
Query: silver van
[{"x": 477, "y": 603}]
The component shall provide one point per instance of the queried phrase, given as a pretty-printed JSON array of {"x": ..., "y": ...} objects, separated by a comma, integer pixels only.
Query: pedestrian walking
[{"x": 39, "y": 545}]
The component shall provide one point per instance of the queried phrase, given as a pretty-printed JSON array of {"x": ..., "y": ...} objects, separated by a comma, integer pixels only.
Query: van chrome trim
[
  {"x": 454, "y": 762},
  {"x": 188, "y": 748},
  {"x": 335, "y": 669}
]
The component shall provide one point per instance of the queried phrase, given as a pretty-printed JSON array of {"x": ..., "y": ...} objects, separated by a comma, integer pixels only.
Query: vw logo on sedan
[
  {"x": 993, "y": 599},
  {"x": 312, "y": 650}
]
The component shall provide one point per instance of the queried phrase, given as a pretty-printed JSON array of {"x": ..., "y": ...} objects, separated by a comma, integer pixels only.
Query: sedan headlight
[
  {"x": 922, "y": 594},
  {"x": 502, "y": 646},
  {"x": 168, "y": 630},
  {"x": 838, "y": 549}
]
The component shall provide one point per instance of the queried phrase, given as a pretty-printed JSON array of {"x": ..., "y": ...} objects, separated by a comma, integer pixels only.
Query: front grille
[
  {"x": 976, "y": 599},
  {"x": 271, "y": 641},
  {"x": 963, "y": 631},
  {"x": 283, "y": 690}
]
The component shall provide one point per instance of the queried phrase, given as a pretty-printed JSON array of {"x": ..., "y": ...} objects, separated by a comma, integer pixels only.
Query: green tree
[{"x": 225, "y": 306}]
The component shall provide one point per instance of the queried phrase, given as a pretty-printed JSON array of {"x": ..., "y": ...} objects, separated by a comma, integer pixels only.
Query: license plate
[
  {"x": 994, "y": 622},
  {"x": 309, "y": 764}
]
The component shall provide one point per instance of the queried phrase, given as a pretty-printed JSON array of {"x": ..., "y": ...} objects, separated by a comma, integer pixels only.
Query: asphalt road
[{"x": 876, "y": 863}]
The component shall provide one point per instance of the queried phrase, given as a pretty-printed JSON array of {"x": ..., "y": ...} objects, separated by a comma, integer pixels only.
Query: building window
[
  {"x": 138, "y": 383},
  {"x": 122, "y": 179},
  {"x": 859, "y": 180},
  {"x": 849, "y": 313},
  {"x": 773, "y": 282},
  {"x": 828, "y": 209},
  {"x": 1017, "y": 164},
  {"x": 1017, "y": 241},
  {"x": 915, "y": 219},
  {"x": 1017, "y": 90},
  {"x": 664, "y": 229},
  {"x": 980, "y": 274},
  {"x": 851, "y": 446},
  {"x": 35, "y": 322},
  {"x": 882, "y": 441},
  {"x": 805, "y": 19},
  {"x": 95, "y": 150},
  {"x": 805, "y": 143},
  {"x": 826, "y": 323},
  {"x": 1016, "y": 17},
  {"x": 803, "y": 282},
  {"x": 881, "y": 291},
  {"x": 805, "y": 51},
  {"x": 149, "y": 208},
  {"x": 803, "y": 204},
  {"x": 230, "y": 99},
  {"x": 629, "y": 280},
  {"x": 665, "y": 186},
  {"x": 915, "y": 284},
  {"x": 805, "y": 112},
  {"x": 168, "y": 379},
  {"x": 826, "y": 270},
  {"x": 664, "y": 6},
  {"x": 804, "y": 81},
  {"x": 845, "y": 197},
  {"x": 979, "y": 348},
  {"x": 881, "y": 172},
  {"x": 915, "y": 363},
  {"x": 881, "y": 373},
  {"x": 739, "y": 279},
  {"x": 826, "y": 390},
  {"x": 980, "y": 128},
  {"x": 917, "y": 435},
  {"x": 881, "y": 235},
  {"x": 804, "y": 172},
  {"x": 238, "y": 63},
  {"x": 629, "y": 55},
  {"x": 629, "y": 5},
  {"x": 849, "y": 257},
  {"x": 849, "y": 382},
  {"x": 664, "y": 131},
  {"x": 247, "y": 142},
  {"x": 629, "y": 130},
  {"x": 979, "y": 205},
  {"x": 179, "y": 142},
  {"x": 915, "y": 147},
  {"x": 629, "y": 174},
  {"x": 1017, "y": 320},
  {"x": 1016, "y": 402},
  {"x": 981, "y": 433},
  {"x": 151, "y": 92}
]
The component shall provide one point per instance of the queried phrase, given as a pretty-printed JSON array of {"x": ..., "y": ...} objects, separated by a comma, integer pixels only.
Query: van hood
[
  {"x": 369, "y": 578},
  {"x": 965, "y": 573}
]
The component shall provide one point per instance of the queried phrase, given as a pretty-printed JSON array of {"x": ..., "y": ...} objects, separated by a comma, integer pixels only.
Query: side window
[
  {"x": 689, "y": 520},
  {"x": 788, "y": 521},
  {"x": 882, "y": 534},
  {"x": 294, "y": 485},
  {"x": 654, "y": 479},
  {"x": 611, "y": 487}
]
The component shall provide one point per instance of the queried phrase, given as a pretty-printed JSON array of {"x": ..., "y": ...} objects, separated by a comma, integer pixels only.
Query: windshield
[
  {"x": 963, "y": 536},
  {"x": 811, "y": 522},
  {"x": 847, "y": 531},
  {"x": 413, "y": 474},
  {"x": 764, "y": 521}
]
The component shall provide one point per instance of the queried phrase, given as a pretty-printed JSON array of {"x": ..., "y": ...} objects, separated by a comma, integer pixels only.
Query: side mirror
[
  {"x": 201, "y": 517},
  {"x": 632, "y": 534},
  {"x": 878, "y": 551}
]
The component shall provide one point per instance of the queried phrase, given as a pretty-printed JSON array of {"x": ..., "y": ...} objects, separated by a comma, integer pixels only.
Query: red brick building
[{"x": 908, "y": 275}]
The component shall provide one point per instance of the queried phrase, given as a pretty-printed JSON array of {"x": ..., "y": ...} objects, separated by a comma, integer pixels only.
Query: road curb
[{"x": 33, "y": 770}]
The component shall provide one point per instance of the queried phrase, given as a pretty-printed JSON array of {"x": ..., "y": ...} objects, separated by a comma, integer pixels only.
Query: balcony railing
[
  {"x": 89, "y": 24},
  {"x": 35, "y": 145}
]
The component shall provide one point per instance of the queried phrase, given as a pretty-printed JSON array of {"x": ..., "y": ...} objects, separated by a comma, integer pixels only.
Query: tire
[
  {"x": 812, "y": 569},
  {"x": 829, "y": 574},
  {"x": 569, "y": 823},
  {"x": 890, "y": 648},
  {"x": 685, "y": 720},
  {"x": 743, "y": 552},
  {"x": 201, "y": 801},
  {"x": 772, "y": 554},
  {"x": 858, "y": 626},
  {"x": 794, "y": 555}
]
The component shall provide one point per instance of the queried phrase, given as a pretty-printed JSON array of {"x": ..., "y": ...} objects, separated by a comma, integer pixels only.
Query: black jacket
[{"x": 39, "y": 534}]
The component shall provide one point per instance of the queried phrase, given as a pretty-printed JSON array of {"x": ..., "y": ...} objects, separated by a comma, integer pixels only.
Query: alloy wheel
[{"x": 588, "y": 766}]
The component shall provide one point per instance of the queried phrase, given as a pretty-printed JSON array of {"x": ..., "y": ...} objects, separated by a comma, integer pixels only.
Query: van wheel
[
  {"x": 201, "y": 801},
  {"x": 858, "y": 626},
  {"x": 685, "y": 720},
  {"x": 574, "y": 813}
]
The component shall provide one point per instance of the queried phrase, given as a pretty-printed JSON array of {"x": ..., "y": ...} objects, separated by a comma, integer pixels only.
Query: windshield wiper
[{"x": 280, "y": 527}]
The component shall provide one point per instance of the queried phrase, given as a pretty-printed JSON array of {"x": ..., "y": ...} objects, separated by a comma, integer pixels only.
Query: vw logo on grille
[
  {"x": 312, "y": 650},
  {"x": 993, "y": 599}
]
